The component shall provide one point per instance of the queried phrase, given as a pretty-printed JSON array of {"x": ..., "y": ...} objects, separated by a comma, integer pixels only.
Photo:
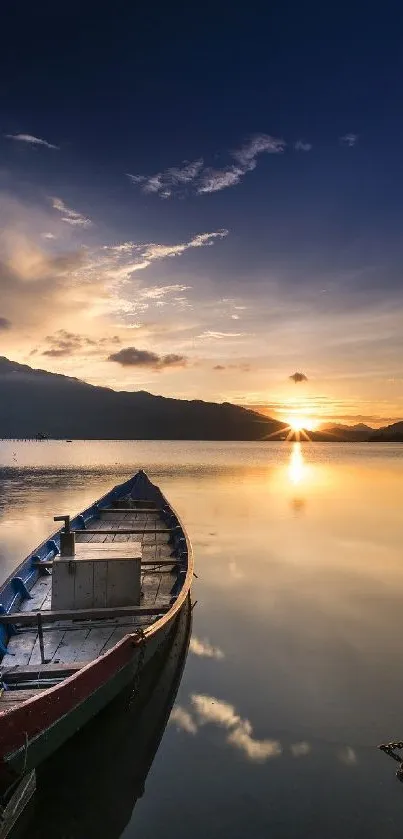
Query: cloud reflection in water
[{"x": 209, "y": 710}]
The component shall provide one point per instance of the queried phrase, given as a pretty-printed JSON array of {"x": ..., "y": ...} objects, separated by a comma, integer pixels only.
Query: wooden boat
[
  {"x": 90, "y": 786},
  {"x": 60, "y": 666}
]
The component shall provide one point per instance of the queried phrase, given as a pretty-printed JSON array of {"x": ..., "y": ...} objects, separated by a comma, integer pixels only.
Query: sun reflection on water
[{"x": 297, "y": 467}]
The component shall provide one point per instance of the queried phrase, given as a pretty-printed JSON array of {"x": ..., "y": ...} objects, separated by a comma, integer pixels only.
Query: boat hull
[
  {"x": 43, "y": 724},
  {"x": 90, "y": 786},
  {"x": 33, "y": 728}
]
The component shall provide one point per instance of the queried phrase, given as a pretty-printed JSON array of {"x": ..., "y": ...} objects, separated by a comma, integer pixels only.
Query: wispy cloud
[
  {"x": 62, "y": 344},
  {"x": 218, "y": 336},
  {"x": 258, "y": 144},
  {"x": 163, "y": 183},
  {"x": 204, "y": 649},
  {"x": 243, "y": 367},
  {"x": 300, "y": 145},
  {"x": 202, "y": 180},
  {"x": 157, "y": 292},
  {"x": 214, "y": 180},
  {"x": 128, "y": 257},
  {"x": 70, "y": 216},
  {"x": 79, "y": 288},
  {"x": 31, "y": 140},
  {"x": 349, "y": 140}
]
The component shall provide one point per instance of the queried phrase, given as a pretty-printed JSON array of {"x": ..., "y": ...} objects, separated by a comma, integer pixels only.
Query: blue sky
[{"x": 199, "y": 201}]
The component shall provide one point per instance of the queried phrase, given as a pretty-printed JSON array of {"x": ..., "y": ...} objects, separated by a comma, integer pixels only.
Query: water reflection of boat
[{"x": 91, "y": 785}]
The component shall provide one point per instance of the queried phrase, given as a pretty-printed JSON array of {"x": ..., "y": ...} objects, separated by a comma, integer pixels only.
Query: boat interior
[{"x": 41, "y": 644}]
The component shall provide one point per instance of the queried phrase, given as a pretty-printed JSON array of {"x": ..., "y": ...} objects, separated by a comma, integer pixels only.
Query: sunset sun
[{"x": 298, "y": 423}]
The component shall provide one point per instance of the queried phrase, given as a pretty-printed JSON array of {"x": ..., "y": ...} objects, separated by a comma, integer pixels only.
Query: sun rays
[{"x": 295, "y": 428}]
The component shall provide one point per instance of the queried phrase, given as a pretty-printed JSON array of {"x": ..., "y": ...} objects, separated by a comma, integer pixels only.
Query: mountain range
[{"x": 36, "y": 401}]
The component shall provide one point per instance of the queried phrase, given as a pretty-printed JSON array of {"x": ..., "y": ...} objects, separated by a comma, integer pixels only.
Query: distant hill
[
  {"x": 33, "y": 401},
  {"x": 343, "y": 433},
  {"x": 389, "y": 434}
]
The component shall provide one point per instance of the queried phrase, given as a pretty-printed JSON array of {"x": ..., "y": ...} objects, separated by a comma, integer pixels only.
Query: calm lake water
[{"x": 295, "y": 672}]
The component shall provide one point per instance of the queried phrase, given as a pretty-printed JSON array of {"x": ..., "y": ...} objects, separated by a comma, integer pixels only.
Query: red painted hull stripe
[{"x": 35, "y": 715}]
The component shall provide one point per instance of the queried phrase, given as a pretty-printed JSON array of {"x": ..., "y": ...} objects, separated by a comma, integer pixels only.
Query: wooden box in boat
[
  {"x": 58, "y": 672},
  {"x": 108, "y": 574}
]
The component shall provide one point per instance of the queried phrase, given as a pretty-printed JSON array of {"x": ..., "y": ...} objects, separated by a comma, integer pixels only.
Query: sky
[{"x": 200, "y": 201}]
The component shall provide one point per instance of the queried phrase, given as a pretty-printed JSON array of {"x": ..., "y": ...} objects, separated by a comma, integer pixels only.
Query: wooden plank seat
[
  {"x": 48, "y": 563},
  {"x": 52, "y": 615},
  {"x": 30, "y": 672},
  {"x": 131, "y": 501},
  {"x": 9, "y": 698},
  {"x": 133, "y": 510},
  {"x": 112, "y": 531}
]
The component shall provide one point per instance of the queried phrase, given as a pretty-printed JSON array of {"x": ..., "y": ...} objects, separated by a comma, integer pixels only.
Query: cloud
[
  {"x": 209, "y": 710},
  {"x": 299, "y": 377},
  {"x": 163, "y": 183},
  {"x": 37, "y": 287},
  {"x": 63, "y": 343},
  {"x": 300, "y": 145},
  {"x": 70, "y": 216},
  {"x": 183, "y": 720},
  {"x": 32, "y": 141},
  {"x": 48, "y": 236},
  {"x": 156, "y": 292},
  {"x": 212, "y": 710},
  {"x": 258, "y": 144},
  {"x": 218, "y": 336},
  {"x": 300, "y": 749},
  {"x": 213, "y": 180},
  {"x": 5, "y": 323},
  {"x": 208, "y": 179},
  {"x": 87, "y": 291},
  {"x": 256, "y": 750},
  {"x": 204, "y": 649},
  {"x": 349, "y": 140},
  {"x": 133, "y": 357},
  {"x": 90, "y": 292},
  {"x": 128, "y": 257},
  {"x": 244, "y": 367}
]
